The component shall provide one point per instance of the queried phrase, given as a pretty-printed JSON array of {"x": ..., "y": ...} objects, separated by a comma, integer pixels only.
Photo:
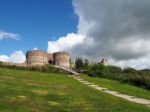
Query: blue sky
[{"x": 36, "y": 21}]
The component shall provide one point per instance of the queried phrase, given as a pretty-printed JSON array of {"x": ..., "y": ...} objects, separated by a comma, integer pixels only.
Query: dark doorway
[{"x": 50, "y": 62}]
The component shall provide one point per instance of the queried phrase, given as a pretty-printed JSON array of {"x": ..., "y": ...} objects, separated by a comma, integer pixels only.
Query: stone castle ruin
[
  {"x": 104, "y": 62},
  {"x": 38, "y": 57}
]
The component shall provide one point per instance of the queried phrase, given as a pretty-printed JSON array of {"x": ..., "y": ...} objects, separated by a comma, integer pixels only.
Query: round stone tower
[
  {"x": 61, "y": 59},
  {"x": 37, "y": 57}
]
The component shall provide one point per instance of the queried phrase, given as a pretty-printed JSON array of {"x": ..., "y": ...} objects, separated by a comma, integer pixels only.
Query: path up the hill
[{"x": 114, "y": 93}]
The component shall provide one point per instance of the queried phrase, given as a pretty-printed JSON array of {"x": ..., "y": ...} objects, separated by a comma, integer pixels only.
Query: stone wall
[
  {"x": 37, "y": 57},
  {"x": 61, "y": 59}
]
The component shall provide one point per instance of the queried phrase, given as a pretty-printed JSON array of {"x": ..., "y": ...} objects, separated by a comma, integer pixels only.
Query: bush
[
  {"x": 146, "y": 71},
  {"x": 81, "y": 64},
  {"x": 97, "y": 70},
  {"x": 130, "y": 70},
  {"x": 114, "y": 69},
  {"x": 141, "y": 79},
  {"x": 96, "y": 73},
  {"x": 1, "y": 63},
  {"x": 128, "y": 75}
]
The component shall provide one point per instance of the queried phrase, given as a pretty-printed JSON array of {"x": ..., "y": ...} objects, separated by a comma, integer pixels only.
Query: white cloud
[
  {"x": 35, "y": 48},
  {"x": 65, "y": 43},
  {"x": 8, "y": 35},
  {"x": 140, "y": 63},
  {"x": 15, "y": 57},
  {"x": 4, "y": 58},
  {"x": 114, "y": 29}
]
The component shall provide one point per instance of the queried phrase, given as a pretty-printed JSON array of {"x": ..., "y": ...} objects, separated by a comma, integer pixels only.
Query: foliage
[
  {"x": 78, "y": 63},
  {"x": 130, "y": 70},
  {"x": 114, "y": 69},
  {"x": 45, "y": 68},
  {"x": 86, "y": 63},
  {"x": 96, "y": 73},
  {"x": 1, "y": 63},
  {"x": 81, "y": 64},
  {"x": 127, "y": 75},
  {"x": 97, "y": 70}
]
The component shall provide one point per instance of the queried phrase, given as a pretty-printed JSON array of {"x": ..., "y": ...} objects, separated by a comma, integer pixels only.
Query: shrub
[
  {"x": 81, "y": 64},
  {"x": 130, "y": 70},
  {"x": 96, "y": 73},
  {"x": 97, "y": 70},
  {"x": 1, "y": 63},
  {"x": 114, "y": 69},
  {"x": 128, "y": 75},
  {"x": 146, "y": 71}
]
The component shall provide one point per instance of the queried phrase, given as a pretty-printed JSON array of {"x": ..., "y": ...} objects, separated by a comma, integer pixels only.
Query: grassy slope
[
  {"x": 24, "y": 91},
  {"x": 120, "y": 87}
]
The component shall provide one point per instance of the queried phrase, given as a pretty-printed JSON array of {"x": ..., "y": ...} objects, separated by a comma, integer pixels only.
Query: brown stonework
[
  {"x": 61, "y": 59},
  {"x": 38, "y": 57}
]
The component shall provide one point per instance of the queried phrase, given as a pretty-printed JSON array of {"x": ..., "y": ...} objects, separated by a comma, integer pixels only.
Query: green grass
[
  {"x": 118, "y": 86},
  {"x": 26, "y": 91}
]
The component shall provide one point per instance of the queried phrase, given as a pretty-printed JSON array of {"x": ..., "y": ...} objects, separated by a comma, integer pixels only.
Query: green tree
[
  {"x": 79, "y": 63},
  {"x": 86, "y": 63}
]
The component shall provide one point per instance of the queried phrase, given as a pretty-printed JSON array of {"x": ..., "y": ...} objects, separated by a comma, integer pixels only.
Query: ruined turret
[
  {"x": 104, "y": 62},
  {"x": 38, "y": 57}
]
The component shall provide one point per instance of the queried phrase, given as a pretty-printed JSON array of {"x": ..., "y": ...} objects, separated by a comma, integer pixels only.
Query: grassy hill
[
  {"x": 27, "y": 91},
  {"x": 119, "y": 87}
]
